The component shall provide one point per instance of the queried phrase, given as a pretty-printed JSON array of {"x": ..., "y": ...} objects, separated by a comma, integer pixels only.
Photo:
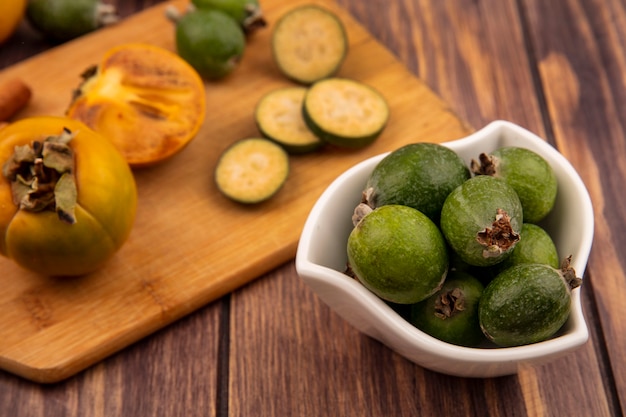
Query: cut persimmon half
[{"x": 146, "y": 100}]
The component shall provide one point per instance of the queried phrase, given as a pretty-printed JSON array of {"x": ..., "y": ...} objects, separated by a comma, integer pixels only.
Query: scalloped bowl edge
[{"x": 321, "y": 259}]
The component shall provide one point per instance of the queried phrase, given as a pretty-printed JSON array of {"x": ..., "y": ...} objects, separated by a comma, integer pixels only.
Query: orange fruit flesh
[{"x": 146, "y": 100}]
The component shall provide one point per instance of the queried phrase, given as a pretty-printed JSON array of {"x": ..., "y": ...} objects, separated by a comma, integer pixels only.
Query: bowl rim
[{"x": 577, "y": 334}]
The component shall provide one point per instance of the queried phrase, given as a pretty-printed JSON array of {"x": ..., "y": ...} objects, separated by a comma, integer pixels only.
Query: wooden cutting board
[{"x": 189, "y": 244}]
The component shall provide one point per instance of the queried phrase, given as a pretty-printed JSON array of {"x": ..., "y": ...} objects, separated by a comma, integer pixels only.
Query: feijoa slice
[
  {"x": 278, "y": 116},
  {"x": 252, "y": 170},
  {"x": 451, "y": 314},
  {"x": 526, "y": 303},
  {"x": 309, "y": 43},
  {"x": 418, "y": 175},
  {"x": 345, "y": 112},
  {"x": 398, "y": 253},
  {"x": 481, "y": 220},
  {"x": 530, "y": 175}
]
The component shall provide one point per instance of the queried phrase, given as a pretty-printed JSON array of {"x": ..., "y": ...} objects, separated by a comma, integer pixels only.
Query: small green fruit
[
  {"x": 398, "y": 253},
  {"x": 526, "y": 303},
  {"x": 62, "y": 20},
  {"x": 535, "y": 247},
  {"x": 211, "y": 41},
  {"x": 247, "y": 13},
  {"x": 418, "y": 175},
  {"x": 451, "y": 314},
  {"x": 528, "y": 173},
  {"x": 481, "y": 220}
]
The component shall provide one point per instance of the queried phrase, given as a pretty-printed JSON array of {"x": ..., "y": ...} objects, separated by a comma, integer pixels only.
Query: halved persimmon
[{"x": 145, "y": 99}]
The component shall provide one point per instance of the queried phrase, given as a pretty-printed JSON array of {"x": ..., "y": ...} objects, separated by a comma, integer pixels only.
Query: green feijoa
[
  {"x": 62, "y": 20},
  {"x": 211, "y": 41},
  {"x": 451, "y": 314},
  {"x": 481, "y": 220},
  {"x": 247, "y": 13},
  {"x": 418, "y": 175},
  {"x": 398, "y": 253},
  {"x": 526, "y": 303},
  {"x": 534, "y": 247},
  {"x": 530, "y": 175}
]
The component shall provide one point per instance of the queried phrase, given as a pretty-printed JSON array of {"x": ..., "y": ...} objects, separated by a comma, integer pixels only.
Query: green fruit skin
[
  {"x": 211, "y": 41},
  {"x": 462, "y": 327},
  {"x": 524, "y": 304},
  {"x": 419, "y": 175},
  {"x": 398, "y": 253},
  {"x": 531, "y": 177},
  {"x": 237, "y": 9},
  {"x": 535, "y": 247},
  {"x": 63, "y": 20},
  {"x": 471, "y": 208}
]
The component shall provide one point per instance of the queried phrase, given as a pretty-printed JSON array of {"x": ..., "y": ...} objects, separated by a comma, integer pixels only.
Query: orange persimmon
[
  {"x": 147, "y": 100},
  {"x": 67, "y": 197}
]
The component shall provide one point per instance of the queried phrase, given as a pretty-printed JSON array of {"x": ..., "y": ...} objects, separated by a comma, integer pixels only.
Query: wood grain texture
[
  {"x": 189, "y": 242},
  {"x": 582, "y": 66},
  {"x": 272, "y": 348}
]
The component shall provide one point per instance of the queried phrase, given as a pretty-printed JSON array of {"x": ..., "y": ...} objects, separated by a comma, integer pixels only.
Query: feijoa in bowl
[{"x": 321, "y": 263}]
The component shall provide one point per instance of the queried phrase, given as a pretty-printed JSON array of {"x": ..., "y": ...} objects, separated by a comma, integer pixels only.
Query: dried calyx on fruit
[
  {"x": 42, "y": 176},
  {"x": 498, "y": 238}
]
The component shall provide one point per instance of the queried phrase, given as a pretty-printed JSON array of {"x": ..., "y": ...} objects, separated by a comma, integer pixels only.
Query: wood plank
[
  {"x": 479, "y": 61},
  {"x": 170, "y": 373},
  {"x": 582, "y": 66},
  {"x": 189, "y": 245}
]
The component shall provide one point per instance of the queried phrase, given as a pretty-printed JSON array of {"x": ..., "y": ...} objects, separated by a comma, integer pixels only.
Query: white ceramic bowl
[{"x": 321, "y": 260}]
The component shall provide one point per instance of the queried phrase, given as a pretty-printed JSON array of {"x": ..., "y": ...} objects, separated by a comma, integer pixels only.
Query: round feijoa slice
[
  {"x": 418, "y": 175},
  {"x": 398, "y": 253},
  {"x": 278, "y": 116},
  {"x": 530, "y": 175},
  {"x": 252, "y": 170},
  {"x": 451, "y": 314},
  {"x": 344, "y": 112},
  {"x": 526, "y": 303},
  {"x": 481, "y": 220},
  {"x": 309, "y": 43}
]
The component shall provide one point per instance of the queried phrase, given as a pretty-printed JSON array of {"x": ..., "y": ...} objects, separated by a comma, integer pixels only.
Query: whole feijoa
[
  {"x": 418, "y": 175},
  {"x": 526, "y": 303},
  {"x": 211, "y": 41},
  {"x": 530, "y": 175},
  {"x": 398, "y": 253},
  {"x": 451, "y": 314},
  {"x": 534, "y": 247},
  {"x": 481, "y": 220}
]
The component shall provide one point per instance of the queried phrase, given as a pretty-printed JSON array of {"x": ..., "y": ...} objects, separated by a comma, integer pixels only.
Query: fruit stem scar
[
  {"x": 487, "y": 166},
  {"x": 42, "y": 176},
  {"x": 498, "y": 238},
  {"x": 449, "y": 303}
]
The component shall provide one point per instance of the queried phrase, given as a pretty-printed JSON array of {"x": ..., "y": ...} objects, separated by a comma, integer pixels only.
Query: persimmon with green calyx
[
  {"x": 62, "y": 20},
  {"x": 211, "y": 41},
  {"x": 530, "y": 175},
  {"x": 247, "y": 13},
  {"x": 481, "y": 220},
  {"x": 67, "y": 197},
  {"x": 527, "y": 303},
  {"x": 451, "y": 314},
  {"x": 397, "y": 253}
]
